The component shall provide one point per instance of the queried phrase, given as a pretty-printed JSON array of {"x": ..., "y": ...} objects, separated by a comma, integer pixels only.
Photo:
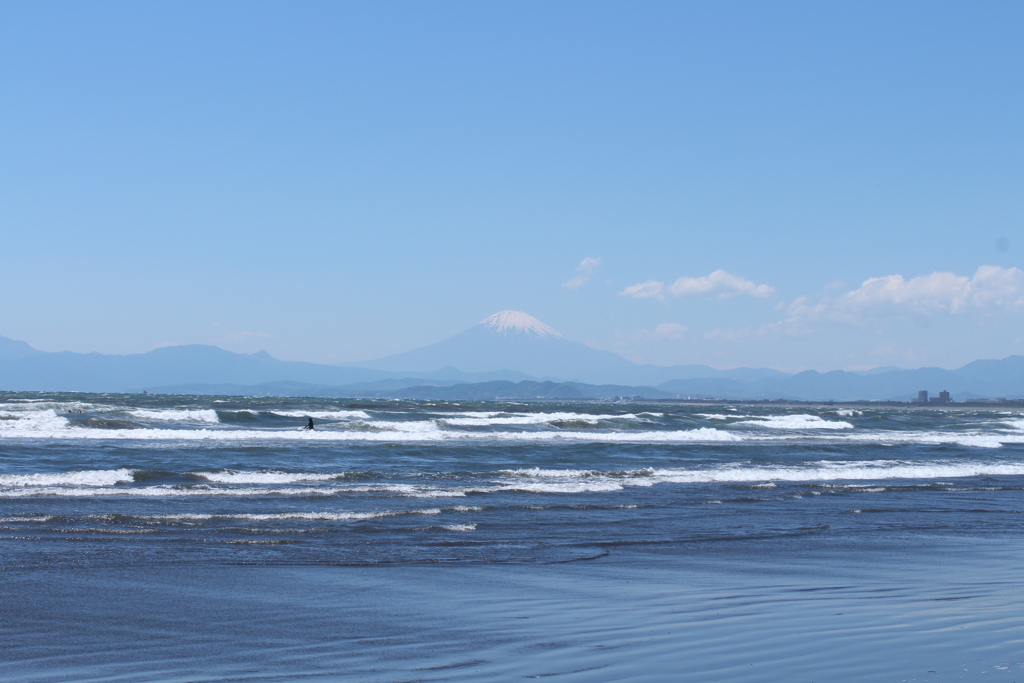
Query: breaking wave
[
  {"x": 104, "y": 483},
  {"x": 377, "y": 430},
  {"x": 35, "y": 423},
  {"x": 323, "y": 414},
  {"x": 794, "y": 422},
  {"x": 44, "y": 420},
  {"x": 265, "y": 477},
  {"x": 576, "y": 481},
  {"x": 177, "y": 415},
  {"x": 84, "y": 478},
  {"x": 487, "y": 419}
]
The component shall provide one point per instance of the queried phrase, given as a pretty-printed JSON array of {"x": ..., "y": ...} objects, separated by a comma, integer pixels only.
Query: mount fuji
[{"x": 511, "y": 341}]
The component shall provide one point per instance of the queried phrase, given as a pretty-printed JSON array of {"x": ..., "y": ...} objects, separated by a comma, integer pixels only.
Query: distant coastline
[
  {"x": 634, "y": 400},
  {"x": 208, "y": 370}
]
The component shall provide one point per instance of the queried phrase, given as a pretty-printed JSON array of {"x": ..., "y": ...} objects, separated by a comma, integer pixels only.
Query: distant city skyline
[{"x": 793, "y": 186}]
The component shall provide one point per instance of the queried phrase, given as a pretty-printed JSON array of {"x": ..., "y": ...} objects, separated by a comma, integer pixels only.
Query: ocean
[{"x": 178, "y": 538}]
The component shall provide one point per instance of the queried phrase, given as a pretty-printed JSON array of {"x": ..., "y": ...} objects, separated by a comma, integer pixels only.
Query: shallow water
[{"x": 177, "y": 538}]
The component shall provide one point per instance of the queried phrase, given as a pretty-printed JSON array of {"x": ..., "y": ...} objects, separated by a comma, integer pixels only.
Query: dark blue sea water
[{"x": 197, "y": 538}]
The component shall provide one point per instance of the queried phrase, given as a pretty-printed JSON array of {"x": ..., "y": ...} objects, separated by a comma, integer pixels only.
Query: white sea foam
[
  {"x": 163, "y": 491},
  {"x": 795, "y": 422},
  {"x": 541, "y": 472},
  {"x": 177, "y": 415},
  {"x": 265, "y": 477},
  {"x": 849, "y": 471},
  {"x": 427, "y": 428},
  {"x": 27, "y": 518},
  {"x": 284, "y": 516},
  {"x": 213, "y": 489},
  {"x": 410, "y": 491},
  {"x": 568, "y": 485},
  {"x": 713, "y": 416},
  {"x": 82, "y": 478},
  {"x": 36, "y": 405},
  {"x": 849, "y": 413},
  {"x": 973, "y": 439},
  {"x": 328, "y": 516},
  {"x": 538, "y": 480},
  {"x": 379, "y": 431},
  {"x": 35, "y": 423},
  {"x": 459, "y": 527},
  {"x": 432, "y": 493},
  {"x": 533, "y": 418},
  {"x": 573, "y": 481},
  {"x": 46, "y": 424},
  {"x": 703, "y": 434},
  {"x": 324, "y": 414},
  {"x": 533, "y": 480},
  {"x": 470, "y": 413}
]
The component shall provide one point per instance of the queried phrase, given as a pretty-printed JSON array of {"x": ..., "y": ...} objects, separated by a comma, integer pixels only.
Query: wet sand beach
[{"x": 803, "y": 612}]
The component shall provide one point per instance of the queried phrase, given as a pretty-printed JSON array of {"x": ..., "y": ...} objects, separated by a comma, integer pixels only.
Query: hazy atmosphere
[
  {"x": 784, "y": 185},
  {"x": 380, "y": 342}
]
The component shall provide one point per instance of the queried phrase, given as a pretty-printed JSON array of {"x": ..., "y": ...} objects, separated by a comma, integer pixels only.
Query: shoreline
[{"x": 817, "y": 614}]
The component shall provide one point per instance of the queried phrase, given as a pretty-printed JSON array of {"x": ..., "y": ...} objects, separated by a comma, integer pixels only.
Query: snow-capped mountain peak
[{"x": 517, "y": 322}]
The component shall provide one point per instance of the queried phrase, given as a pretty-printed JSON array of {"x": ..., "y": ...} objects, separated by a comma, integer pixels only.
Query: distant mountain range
[
  {"x": 508, "y": 355},
  {"x": 513, "y": 340}
]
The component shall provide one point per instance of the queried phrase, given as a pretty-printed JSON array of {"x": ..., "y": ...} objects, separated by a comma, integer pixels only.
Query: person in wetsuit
[{"x": 309, "y": 425}]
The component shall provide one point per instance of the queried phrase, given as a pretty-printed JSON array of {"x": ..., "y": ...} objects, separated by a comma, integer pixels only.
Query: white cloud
[
  {"x": 645, "y": 290},
  {"x": 992, "y": 289},
  {"x": 668, "y": 331},
  {"x": 719, "y": 284},
  {"x": 584, "y": 270}
]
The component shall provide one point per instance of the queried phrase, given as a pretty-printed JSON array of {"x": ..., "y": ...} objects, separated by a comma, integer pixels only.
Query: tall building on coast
[{"x": 943, "y": 397}]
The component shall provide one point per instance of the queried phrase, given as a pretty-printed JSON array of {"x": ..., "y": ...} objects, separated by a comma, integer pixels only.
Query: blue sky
[{"x": 718, "y": 183}]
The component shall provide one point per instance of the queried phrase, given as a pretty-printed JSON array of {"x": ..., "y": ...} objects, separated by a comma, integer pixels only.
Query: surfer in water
[{"x": 309, "y": 425}]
